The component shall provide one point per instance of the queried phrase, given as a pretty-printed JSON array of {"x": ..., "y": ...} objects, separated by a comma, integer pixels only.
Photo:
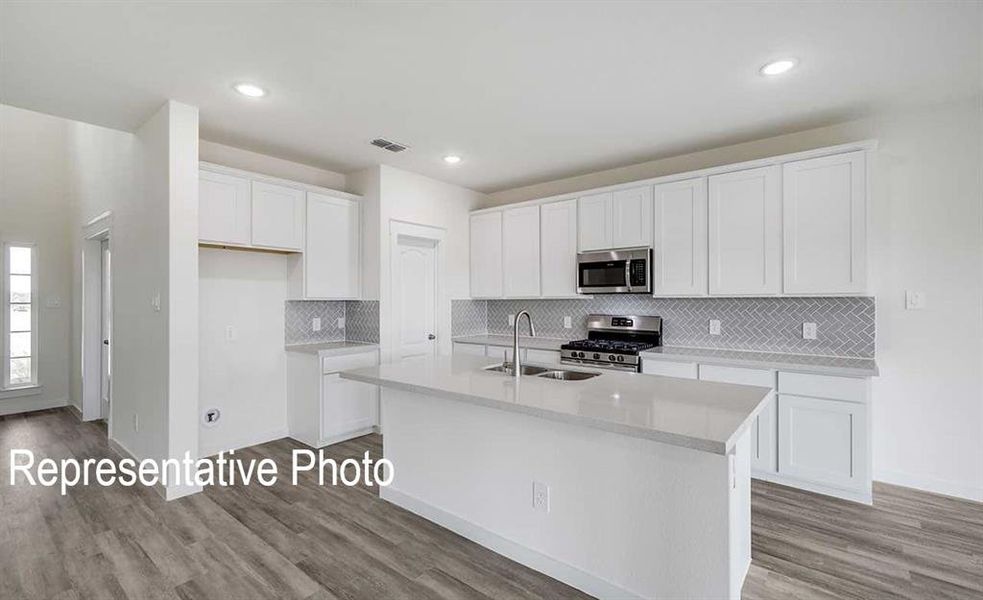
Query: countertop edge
[
  {"x": 697, "y": 444},
  {"x": 353, "y": 348},
  {"x": 764, "y": 364}
]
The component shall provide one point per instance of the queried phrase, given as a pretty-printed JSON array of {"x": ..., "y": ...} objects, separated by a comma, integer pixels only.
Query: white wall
[
  {"x": 926, "y": 233},
  {"x": 33, "y": 203},
  {"x": 367, "y": 183},
  {"x": 417, "y": 199},
  {"x": 269, "y": 165},
  {"x": 245, "y": 377}
]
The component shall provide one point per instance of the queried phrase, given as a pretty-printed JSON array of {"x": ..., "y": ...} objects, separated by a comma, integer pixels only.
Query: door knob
[{"x": 431, "y": 336}]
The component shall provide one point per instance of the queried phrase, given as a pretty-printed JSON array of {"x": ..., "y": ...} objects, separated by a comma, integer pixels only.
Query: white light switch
[
  {"x": 230, "y": 333},
  {"x": 540, "y": 496},
  {"x": 511, "y": 320},
  {"x": 915, "y": 300},
  {"x": 808, "y": 331},
  {"x": 155, "y": 302},
  {"x": 316, "y": 324},
  {"x": 567, "y": 323},
  {"x": 341, "y": 322},
  {"x": 714, "y": 327}
]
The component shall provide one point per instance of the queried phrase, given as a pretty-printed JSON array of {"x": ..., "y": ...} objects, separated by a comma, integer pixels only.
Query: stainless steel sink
[
  {"x": 524, "y": 369},
  {"x": 568, "y": 375}
]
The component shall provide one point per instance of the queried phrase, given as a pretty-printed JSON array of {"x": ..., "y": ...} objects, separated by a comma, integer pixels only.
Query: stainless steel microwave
[{"x": 627, "y": 271}]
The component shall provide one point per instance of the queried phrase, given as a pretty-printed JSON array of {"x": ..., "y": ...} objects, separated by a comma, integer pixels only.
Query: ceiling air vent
[{"x": 389, "y": 145}]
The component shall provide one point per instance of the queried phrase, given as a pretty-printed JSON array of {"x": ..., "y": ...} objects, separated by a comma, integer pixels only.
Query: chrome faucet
[{"x": 516, "y": 366}]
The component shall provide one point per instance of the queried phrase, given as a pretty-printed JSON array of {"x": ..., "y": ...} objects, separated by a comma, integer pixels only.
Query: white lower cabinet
[
  {"x": 323, "y": 408},
  {"x": 764, "y": 431},
  {"x": 824, "y": 441},
  {"x": 815, "y": 433}
]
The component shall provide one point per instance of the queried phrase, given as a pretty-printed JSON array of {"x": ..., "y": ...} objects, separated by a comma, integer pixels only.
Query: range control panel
[{"x": 622, "y": 322}]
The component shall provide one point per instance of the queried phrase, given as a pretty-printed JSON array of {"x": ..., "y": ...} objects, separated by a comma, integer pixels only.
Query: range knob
[
  {"x": 578, "y": 354},
  {"x": 612, "y": 358},
  {"x": 597, "y": 356},
  {"x": 621, "y": 359}
]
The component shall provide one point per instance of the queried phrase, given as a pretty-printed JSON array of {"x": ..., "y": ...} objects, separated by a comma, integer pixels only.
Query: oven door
[{"x": 613, "y": 272}]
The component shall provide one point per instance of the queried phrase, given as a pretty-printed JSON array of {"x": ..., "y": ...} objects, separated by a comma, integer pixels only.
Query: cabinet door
[
  {"x": 347, "y": 406},
  {"x": 680, "y": 238},
  {"x": 223, "y": 208},
  {"x": 559, "y": 248},
  {"x": 278, "y": 216},
  {"x": 331, "y": 265},
  {"x": 744, "y": 232},
  {"x": 594, "y": 222},
  {"x": 668, "y": 368},
  {"x": 486, "y": 255},
  {"x": 520, "y": 251},
  {"x": 824, "y": 208},
  {"x": 764, "y": 430},
  {"x": 822, "y": 441},
  {"x": 631, "y": 218}
]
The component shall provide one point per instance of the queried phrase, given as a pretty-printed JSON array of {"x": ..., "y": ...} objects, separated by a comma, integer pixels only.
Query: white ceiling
[{"x": 525, "y": 92}]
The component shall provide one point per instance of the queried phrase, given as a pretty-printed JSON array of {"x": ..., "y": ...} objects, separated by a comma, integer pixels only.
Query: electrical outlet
[
  {"x": 341, "y": 322},
  {"x": 230, "y": 333},
  {"x": 567, "y": 323},
  {"x": 914, "y": 300},
  {"x": 540, "y": 496},
  {"x": 511, "y": 320},
  {"x": 808, "y": 331},
  {"x": 714, "y": 327},
  {"x": 155, "y": 302},
  {"x": 316, "y": 324},
  {"x": 136, "y": 423}
]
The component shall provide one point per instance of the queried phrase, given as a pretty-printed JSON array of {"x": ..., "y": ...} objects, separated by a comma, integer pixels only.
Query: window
[{"x": 20, "y": 322}]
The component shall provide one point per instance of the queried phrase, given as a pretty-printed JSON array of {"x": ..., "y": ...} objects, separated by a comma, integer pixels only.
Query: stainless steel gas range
[{"x": 613, "y": 342}]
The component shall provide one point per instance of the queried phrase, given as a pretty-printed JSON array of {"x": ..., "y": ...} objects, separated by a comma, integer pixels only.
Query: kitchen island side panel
[{"x": 627, "y": 516}]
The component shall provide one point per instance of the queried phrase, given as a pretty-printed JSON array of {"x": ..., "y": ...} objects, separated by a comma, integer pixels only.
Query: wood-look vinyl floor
[{"x": 321, "y": 543}]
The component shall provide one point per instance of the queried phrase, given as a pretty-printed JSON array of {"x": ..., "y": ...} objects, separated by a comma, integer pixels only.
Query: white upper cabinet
[
  {"x": 631, "y": 218},
  {"x": 223, "y": 208},
  {"x": 824, "y": 207},
  {"x": 277, "y": 216},
  {"x": 621, "y": 219},
  {"x": 331, "y": 255},
  {"x": 520, "y": 251},
  {"x": 559, "y": 248},
  {"x": 745, "y": 232},
  {"x": 595, "y": 222},
  {"x": 486, "y": 255},
  {"x": 680, "y": 238}
]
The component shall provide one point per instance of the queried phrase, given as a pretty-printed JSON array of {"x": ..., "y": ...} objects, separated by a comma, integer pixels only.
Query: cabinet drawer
[
  {"x": 464, "y": 348},
  {"x": 850, "y": 389},
  {"x": 333, "y": 364},
  {"x": 668, "y": 368},
  {"x": 739, "y": 375}
]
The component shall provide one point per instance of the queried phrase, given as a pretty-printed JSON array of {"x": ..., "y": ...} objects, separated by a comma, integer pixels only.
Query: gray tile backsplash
[
  {"x": 845, "y": 325},
  {"x": 361, "y": 321}
]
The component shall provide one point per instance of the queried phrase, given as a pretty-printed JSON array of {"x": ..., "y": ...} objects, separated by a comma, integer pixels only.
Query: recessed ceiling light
[
  {"x": 452, "y": 159},
  {"x": 250, "y": 89},
  {"x": 779, "y": 66}
]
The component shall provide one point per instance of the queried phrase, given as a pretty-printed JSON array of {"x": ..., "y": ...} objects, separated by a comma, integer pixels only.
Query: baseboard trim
[
  {"x": 75, "y": 411},
  {"x": 570, "y": 575},
  {"x": 816, "y": 488},
  {"x": 928, "y": 484},
  {"x": 244, "y": 442},
  {"x": 31, "y": 403}
]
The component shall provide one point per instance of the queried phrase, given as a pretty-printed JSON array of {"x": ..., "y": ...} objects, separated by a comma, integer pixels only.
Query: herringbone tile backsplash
[
  {"x": 845, "y": 325},
  {"x": 361, "y": 321}
]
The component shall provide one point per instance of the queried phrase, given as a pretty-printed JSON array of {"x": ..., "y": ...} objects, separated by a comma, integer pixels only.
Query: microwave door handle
[{"x": 628, "y": 274}]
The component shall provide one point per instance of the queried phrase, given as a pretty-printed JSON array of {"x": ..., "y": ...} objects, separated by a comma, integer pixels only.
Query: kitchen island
[{"x": 622, "y": 485}]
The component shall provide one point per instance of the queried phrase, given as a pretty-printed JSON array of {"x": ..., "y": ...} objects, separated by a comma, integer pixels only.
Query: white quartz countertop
[
  {"x": 331, "y": 348},
  {"x": 536, "y": 343},
  {"x": 694, "y": 414},
  {"x": 802, "y": 363}
]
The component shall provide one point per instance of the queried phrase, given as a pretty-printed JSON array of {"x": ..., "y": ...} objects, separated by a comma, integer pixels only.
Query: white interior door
[
  {"x": 106, "y": 333},
  {"x": 415, "y": 294}
]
